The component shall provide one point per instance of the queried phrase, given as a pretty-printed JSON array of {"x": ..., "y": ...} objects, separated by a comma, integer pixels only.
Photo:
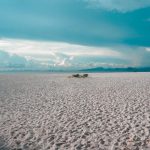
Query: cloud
[
  {"x": 71, "y": 21},
  {"x": 120, "y": 5},
  {"x": 135, "y": 56},
  {"x": 148, "y": 49},
  {"x": 31, "y": 54},
  {"x": 43, "y": 48},
  {"x": 56, "y": 53},
  {"x": 11, "y": 60},
  {"x": 15, "y": 62}
]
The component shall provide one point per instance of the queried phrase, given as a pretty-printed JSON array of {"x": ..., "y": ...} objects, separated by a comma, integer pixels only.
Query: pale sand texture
[{"x": 107, "y": 111}]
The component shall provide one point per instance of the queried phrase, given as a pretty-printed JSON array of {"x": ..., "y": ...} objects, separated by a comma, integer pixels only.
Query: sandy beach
[{"x": 106, "y": 111}]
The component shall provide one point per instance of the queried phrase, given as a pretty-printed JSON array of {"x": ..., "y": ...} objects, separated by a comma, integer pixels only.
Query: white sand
[{"x": 108, "y": 111}]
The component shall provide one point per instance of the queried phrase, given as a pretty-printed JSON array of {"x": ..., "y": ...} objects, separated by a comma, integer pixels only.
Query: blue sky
[{"x": 74, "y": 33}]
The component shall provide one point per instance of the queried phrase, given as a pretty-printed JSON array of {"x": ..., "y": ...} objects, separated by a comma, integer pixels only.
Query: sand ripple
[{"x": 52, "y": 111}]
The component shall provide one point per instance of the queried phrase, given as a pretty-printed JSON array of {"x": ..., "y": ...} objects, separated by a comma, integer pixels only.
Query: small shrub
[
  {"x": 76, "y": 75},
  {"x": 85, "y": 75},
  {"x": 80, "y": 76}
]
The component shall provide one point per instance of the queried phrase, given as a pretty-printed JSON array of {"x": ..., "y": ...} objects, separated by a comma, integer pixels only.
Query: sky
[{"x": 74, "y": 34}]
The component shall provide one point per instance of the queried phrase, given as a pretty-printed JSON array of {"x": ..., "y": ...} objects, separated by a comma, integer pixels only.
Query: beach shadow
[{"x": 3, "y": 144}]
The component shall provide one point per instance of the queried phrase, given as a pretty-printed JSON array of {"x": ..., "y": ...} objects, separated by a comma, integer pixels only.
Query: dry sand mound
[{"x": 50, "y": 111}]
